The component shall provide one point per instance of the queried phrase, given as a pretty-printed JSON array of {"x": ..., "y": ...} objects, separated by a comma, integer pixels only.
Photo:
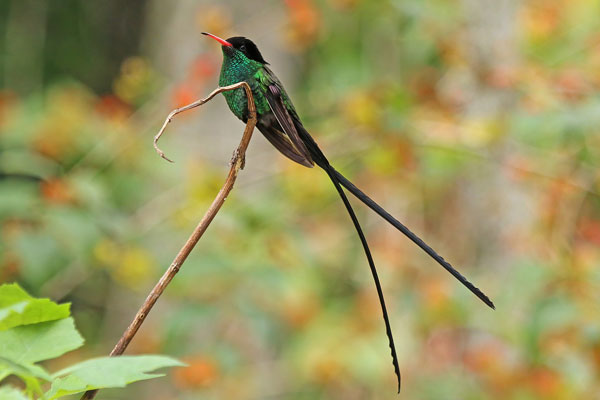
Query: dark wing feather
[
  {"x": 281, "y": 142},
  {"x": 273, "y": 95}
]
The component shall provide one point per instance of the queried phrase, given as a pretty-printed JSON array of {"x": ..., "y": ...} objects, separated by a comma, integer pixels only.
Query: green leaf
[
  {"x": 11, "y": 393},
  {"x": 17, "y": 307},
  {"x": 107, "y": 372},
  {"x": 66, "y": 386},
  {"x": 28, "y": 373},
  {"x": 31, "y": 343},
  {"x": 8, "y": 366}
]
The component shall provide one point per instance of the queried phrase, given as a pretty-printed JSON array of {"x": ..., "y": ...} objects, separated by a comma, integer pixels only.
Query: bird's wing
[
  {"x": 274, "y": 96},
  {"x": 284, "y": 118},
  {"x": 282, "y": 143}
]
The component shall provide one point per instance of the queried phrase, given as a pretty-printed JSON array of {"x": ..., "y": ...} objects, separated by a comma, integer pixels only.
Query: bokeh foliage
[
  {"x": 475, "y": 122},
  {"x": 34, "y": 330}
]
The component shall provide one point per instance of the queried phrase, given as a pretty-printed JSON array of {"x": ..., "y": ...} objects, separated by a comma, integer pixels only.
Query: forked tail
[
  {"x": 402, "y": 228},
  {"x": 388, "y": 329},
  {"x": 339, "y": 180}
]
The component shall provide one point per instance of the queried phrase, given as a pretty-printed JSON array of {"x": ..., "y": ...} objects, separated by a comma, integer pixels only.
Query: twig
[{"x": 237, "y": 163}]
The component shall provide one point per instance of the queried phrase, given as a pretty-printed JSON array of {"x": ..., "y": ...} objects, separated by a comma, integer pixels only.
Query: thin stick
[
  {"x": 195, "y": 104},
  {"x": 237, "y": 163}
]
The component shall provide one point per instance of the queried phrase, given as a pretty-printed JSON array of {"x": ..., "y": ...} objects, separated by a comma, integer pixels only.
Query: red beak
[{"x": 218, "y": 39}]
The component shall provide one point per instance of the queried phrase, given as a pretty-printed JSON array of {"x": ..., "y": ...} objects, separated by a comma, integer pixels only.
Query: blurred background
[{"x": 475, "y": 122}]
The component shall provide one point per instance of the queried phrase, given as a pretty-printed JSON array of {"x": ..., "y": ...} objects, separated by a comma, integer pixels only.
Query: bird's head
[{"x": 239, "y": 46}]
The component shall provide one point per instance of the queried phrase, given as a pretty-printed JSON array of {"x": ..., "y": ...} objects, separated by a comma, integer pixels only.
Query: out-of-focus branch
[{"x": 237, "y": 163}]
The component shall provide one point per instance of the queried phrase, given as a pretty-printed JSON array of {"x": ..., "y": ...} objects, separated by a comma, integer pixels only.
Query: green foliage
[
  {"x": 41, "y": 341},
  {"x": 11, "y": 393},
  {"x": 19, "y": 308},
  {"x": 106, "y": 372},
  {"x": 38, "y": 330}
]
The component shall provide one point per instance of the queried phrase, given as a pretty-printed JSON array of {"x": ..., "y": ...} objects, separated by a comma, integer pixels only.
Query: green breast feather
[{"x": 237, "y": 69}]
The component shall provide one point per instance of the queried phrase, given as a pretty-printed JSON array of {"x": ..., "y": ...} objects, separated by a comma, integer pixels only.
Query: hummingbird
[{"x": 280, "y": 124}]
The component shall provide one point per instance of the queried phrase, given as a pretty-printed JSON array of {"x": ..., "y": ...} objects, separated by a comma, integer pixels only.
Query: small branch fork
[{"x": 237, "y": 163}]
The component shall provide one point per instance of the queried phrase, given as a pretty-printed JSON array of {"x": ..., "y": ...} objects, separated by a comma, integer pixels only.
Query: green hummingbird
[{"x": 279, "y": 122}]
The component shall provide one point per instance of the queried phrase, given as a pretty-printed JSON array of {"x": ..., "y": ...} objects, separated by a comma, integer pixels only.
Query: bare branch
[
  {"x": 237, "y": 163},
  {"x": 189, "y": 107}
]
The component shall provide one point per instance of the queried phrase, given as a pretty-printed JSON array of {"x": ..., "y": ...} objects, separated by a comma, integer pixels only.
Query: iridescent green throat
[{"x": 236, "y": 68}]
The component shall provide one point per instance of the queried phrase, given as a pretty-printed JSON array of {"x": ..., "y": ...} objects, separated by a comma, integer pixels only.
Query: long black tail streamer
[
  {"x": 407, "y": 232},
  {"x": 388, "y": 329}
]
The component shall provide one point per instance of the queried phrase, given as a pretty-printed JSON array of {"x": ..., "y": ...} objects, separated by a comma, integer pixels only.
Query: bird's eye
[{"x": 243, "y": 48}]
